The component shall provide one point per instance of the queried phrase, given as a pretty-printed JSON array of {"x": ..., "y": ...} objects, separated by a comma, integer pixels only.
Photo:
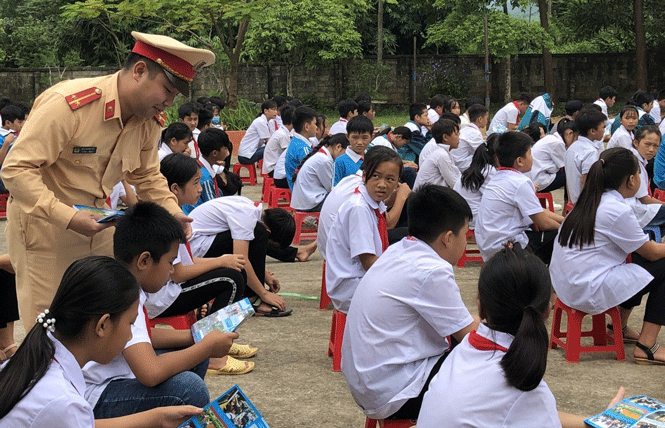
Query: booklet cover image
[
  {"x": 231, "y": 410},
  {"x": 639, "y": 411}
]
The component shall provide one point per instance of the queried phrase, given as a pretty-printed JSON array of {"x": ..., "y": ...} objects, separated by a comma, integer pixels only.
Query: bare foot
[{"x": 306, "y": 251}]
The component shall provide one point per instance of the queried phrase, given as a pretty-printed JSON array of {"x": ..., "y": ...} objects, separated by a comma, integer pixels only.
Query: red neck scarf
[
  {"x": 517, "y": 106},
  {"x": 214, "y": 180},
  {"x": 483, "y": 344},
  {"x": 505, "y": 168},
  {"x": 383, "y": 226}
]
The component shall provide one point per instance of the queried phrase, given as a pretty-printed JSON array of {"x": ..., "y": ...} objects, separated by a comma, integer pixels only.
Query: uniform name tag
[{"x": 84, "y": 150}]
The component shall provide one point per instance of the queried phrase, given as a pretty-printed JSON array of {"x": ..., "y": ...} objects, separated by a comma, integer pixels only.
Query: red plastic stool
[
  {"x": 602, "y": 341},
  {"x": 259, "y": 166},
  {"x": 277, "y": 193},
  {"x": 325, "y": 299},
  {"x": 307, "y": 233},
  {"x": 336, "y": 337},
  {"x": 265, "y": 190},
  {"x": 251, "y": 168},
  {"x": 387, "y": 423},
  {"x": 545, "y": 200},
  {"x": 465, "y": 255},
  {"x": 659, "y": 194},
  {"x": 179, "y": 322},
  {"x": 4, "y": 197},
  {"x": 568, "y": 208}
]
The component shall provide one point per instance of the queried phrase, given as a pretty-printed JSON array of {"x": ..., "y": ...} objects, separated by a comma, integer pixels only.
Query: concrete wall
[{"x": 578, "y": 76}]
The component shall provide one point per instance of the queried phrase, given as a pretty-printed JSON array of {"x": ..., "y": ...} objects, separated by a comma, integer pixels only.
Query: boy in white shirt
[
  {"x": 583, "y": 152},
  {"x": 464, "y": 117},
  {"x": 606, "y": 99},
  {"x": 276, "y": 122},
  {"x": 549, "y": 154},
  {"x": 253, "y": 143},
  {"x": 435, "y": 107},
  {"x": 658, "y": 106},
  {"x": 348, "y": 109},
  {"x": 404, "y": 308},
  {"x": 438, "y": 167},
  {"x": 509, "y": 204},
  {"x": 188, "y": 114},
  {"x": 471, "y": 137},
  {"x": 508, "y": 117},
  {"x": 279, "y": 140}
]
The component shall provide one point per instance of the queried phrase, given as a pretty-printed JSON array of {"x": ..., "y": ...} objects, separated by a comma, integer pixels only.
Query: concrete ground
[{"x": 293, "y": 384}]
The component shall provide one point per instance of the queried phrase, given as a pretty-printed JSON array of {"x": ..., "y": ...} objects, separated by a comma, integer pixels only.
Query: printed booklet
[
  {"x": 227, "y": 319},
  {"x": 107, "y": 214},
  {"x": 639, "y": 411},
  {"x": 231, "y": 410}
]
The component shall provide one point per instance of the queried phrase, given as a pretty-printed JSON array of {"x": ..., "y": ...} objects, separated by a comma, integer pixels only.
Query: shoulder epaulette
[
  {"x": 160, "y": 118},
  {"x": 84, "y": 97}
]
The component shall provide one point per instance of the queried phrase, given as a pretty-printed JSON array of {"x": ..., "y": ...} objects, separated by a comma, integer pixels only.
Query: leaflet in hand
[
  {"x": 108, "y": 215},
  {"x": 226, "y": 319},
  {"x": 639, "y": 411},
  {"x": 231, "y": 410}
]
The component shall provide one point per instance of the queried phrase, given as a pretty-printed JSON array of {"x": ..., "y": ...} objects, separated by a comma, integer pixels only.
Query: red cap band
[{"x": 171, "y": 63}]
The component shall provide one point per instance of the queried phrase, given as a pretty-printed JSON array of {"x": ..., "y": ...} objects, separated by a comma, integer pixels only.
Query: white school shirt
[
  {"x": 235, "y": 213},
  {"x": 578, "y": 160},
  {"x": 313, "y": 182},
  {"x": 355, "y": 231},
  {"x": 643, "y": 212},
  {"x": 432, "y": 115},
  {"x": 464, "y": 121},
  {"x": 164, "y": 151},
  {"x": 548, "y": 158},
  {"x": 473, "y": 198},
  {"x": 382, "y": 140},
  {"x": 454, "y": 397},
  {"x": 158, "y": 302},
  {"x": 662, "y": 127},
  {"x": 192, "y": 144},
  {"x": 603, "y": 107},
  {"x": 257, "y": 132},
  {"x": 116, "y": 193},
  {"x": 338, "y": 127},
  {"x": 655, "y": 112},
  {"x": 98, "y": 376},
  {"x": 274, "y": 124},
  {"x": 414, "y": 127},
  {"x": 597, "y": 277},
  {"x": 430, "y": 147},
  {"x": 396, "y": 328},
  {"x": 337, "y": 196},
  {"x": 56, "y": 401},
  {"x": 470, "y": 138},
  {"x": 280, "y": 167},
  {"x": 437, "y": 168},
  {"x": 276, "y": 145},
  {"x": 621, "y": 138},
  {"x": 507, "y": 114},
  {"x": 504, "y": 213}
]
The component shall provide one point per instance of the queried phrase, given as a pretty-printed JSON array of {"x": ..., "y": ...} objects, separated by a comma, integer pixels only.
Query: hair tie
[
  {"x": 602, "y": 161},
  {"x": 47, "y": 323},
  {"x": 508, "y": 245}
]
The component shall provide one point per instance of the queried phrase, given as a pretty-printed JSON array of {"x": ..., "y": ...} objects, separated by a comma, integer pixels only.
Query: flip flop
[
  {"x": 233, "y": 367},
  {"x": 242, "y": 351},
  {"x": 274, "y": 313},
  {"x": 649, "y": 360},
  {"x": 624, "y": 330}
]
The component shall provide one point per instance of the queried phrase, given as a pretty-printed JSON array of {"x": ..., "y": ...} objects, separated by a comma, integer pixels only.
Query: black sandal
[
  {"x": 650, "y": 360},
  {"x": 624, "y": 330}
]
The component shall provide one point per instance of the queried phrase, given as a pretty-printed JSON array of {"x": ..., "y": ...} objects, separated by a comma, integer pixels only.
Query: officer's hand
[
  {"x": 185, "y": 221},
  {"x": 85, "y": 223}
]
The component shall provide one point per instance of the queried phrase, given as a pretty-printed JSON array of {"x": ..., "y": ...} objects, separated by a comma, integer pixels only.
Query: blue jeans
[
  {"x": 257, "y": 156},
  {"x": 128, "y": 396}
]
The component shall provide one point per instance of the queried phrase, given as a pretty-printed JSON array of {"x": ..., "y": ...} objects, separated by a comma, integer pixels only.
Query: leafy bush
[{"x": 241, "y": 117}]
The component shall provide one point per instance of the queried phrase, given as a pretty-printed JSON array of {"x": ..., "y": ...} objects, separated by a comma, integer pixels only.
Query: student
[
  {"x": 623, "y": 137},
  {"x": 313, "y": 179},
  {"x": 471, "y": 183},
  {"x": 648, "y": 210},
  {"x": 253, "y": 143},
  {"x": 643, "y": 101},
  {"x": 583, "y": 152},
  {"x": 359, "y": 233},
  {"x": 435, "y": 107},
  {"x": 658, "y": 106},
  {"x": 439, "y": 167},
  {"x": 89, "y": 320},
  {"x": 420, "y": 127},
  {"x": 431, "y": 145},
  {"x": 507, "y": 117},
  {"x": 395, "y": 139},
  {"x": 539, "y": 111},
  {"x": 549, "y": 155},
  {"x": 470, "y": 138},
  {"x": 359, "y": 131},
  {"x": 572, "y": 108},
  {"x": 404, "y": 308},
  {"x": 146, "y": 241},
  {"x": 348, "y": 109},
  {"x": 13, "y": 119},
  {"x": 346, "y": 188},
  {"x": 304, "y": 127},
  {"x": 607, "y": 97},
  {"x": 175, "y": 139},
  {"x": 367, "y": 109},
  {"x": 451, "y": 105},
  {"x": 505, "y": 357},
  {"x": 321, "y": 127},
  {"x": 509, "y": 204},
  {"x": 536, "y": 131},
  {"x": 218, "y": 105},
  {"x": 188, "y": 114},
  {"x": 601, "y": 231},
  {"x": 276, "y": 122},
  {"x": 464, "y": 118},
  {"x": 279, "y": 140}
]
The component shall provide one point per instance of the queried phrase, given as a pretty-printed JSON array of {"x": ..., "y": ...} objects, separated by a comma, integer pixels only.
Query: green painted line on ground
[{"x": 302, "y": 296}]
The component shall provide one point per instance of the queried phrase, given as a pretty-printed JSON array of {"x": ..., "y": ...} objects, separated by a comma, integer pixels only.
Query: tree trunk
[
  {"x": 379, "y": 34},
  {"x": 232, "y": 86},
  {"x": 289, "y": 79},
  {"x": 548, "y": 71},
  {"x": 640, "y": 44},
  {"x": 508, "y": 94}
]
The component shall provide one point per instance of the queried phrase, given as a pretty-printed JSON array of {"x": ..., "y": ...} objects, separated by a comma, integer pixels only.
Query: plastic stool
[
  {"x": 573, "y": 334},
  {"x": 277, "y": 193},
  {"x": 388, "y": 423},
  {"x": 325, "y": 299},
  {"x": 265, "y": 191},
  {"x": 251, "y": 168},
  {"x": 465, "y": 255},
  {"x": 659, "y": 194},
  {"x": 179, "y": 322},
  {"x": 568, "y": 208},
  {"x": 259, "y": 166},
  {"x": 545, "y": 199},
  {"x": 307, "y": 233},
  {"x": 4, "y": 197},
  {"x": 336, "y": 338}
]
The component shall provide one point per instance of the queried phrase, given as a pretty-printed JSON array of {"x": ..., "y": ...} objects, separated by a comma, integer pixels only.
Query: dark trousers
[
  {"x": 8, "y": 300},
  {"x": 653, "y": 312},
  {"x": 541, "y": 243},
  {"x": 409, "y": 176},
  {"x": 258, "y": 247},
  {"x": 224, "y": 285},
  {"x": 282, "y": 183}
]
